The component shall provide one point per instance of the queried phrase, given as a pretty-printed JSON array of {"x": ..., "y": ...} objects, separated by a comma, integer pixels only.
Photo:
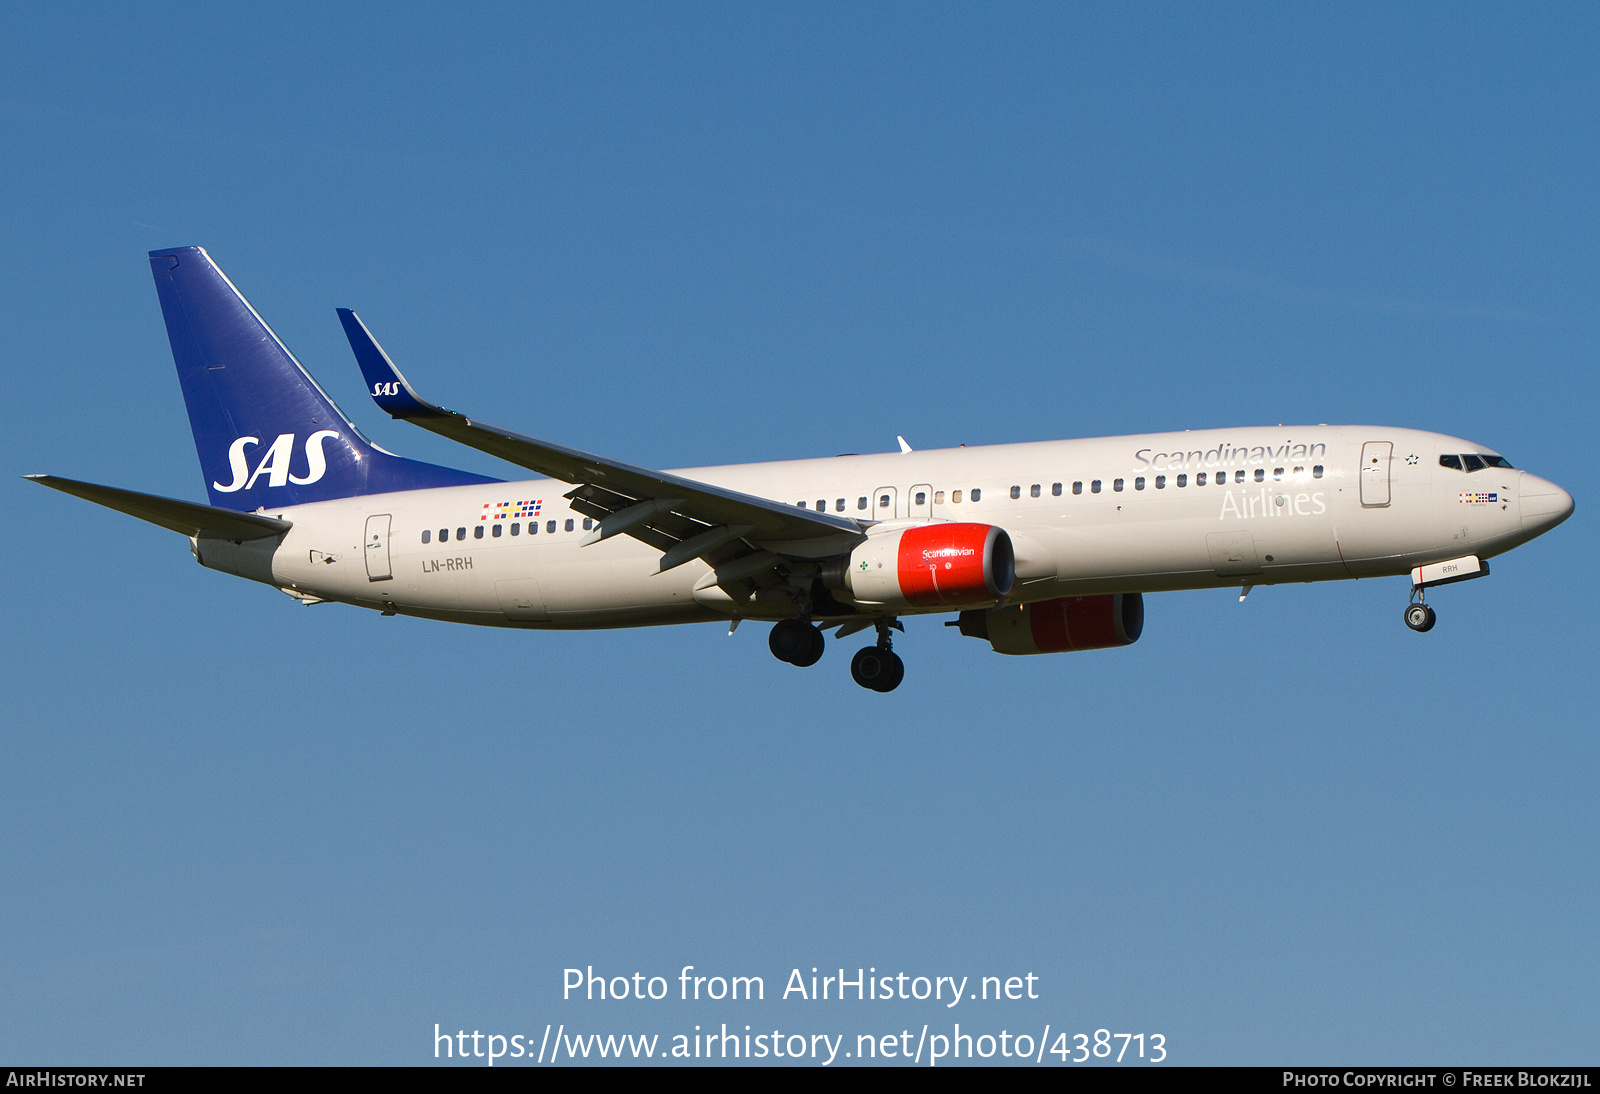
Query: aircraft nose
[{"x": 1544, "y": 504}]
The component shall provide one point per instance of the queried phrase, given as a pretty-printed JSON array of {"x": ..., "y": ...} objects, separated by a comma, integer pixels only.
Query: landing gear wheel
[
  {"x": 897, "y": 673},
  {"x": 877, "y": 669},
  {"x": 796, "y": 642},
  {"x": 812, "y": 653},
  {"x": 1419, "y": 617}
]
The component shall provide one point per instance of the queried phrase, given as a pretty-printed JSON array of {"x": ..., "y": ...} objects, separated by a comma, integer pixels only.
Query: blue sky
[{"x": 239, "y": 830}]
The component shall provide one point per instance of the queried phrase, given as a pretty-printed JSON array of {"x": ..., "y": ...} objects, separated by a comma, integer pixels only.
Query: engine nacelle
[
  {"x": 1059, "y": 626},
  {"x": 932, "y": 566}
]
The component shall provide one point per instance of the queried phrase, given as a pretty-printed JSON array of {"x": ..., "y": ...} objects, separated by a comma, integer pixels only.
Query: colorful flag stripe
[{"x": 511, "y": 510}]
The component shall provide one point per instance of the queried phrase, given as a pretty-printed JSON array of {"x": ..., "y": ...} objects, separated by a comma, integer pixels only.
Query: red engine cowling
[
  {"x": 1059, "y": 626},
  {"x": 933, "y": 566}
]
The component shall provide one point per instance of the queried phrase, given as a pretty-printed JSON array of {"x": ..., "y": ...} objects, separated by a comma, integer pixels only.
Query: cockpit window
[{"x": 1474, "y": 461}]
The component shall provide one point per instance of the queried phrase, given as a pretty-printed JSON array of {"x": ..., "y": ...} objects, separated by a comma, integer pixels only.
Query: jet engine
[
  {"x": 930, "y": 566},
  {"x": 1059, "y": 626}
]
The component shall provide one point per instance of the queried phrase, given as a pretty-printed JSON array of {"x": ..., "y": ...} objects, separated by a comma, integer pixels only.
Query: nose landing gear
[
  {"x": 1419, "y": 617},
  {"x": 878, "y": 668}
]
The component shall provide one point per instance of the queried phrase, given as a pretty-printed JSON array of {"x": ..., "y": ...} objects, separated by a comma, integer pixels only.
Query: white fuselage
[{"x": 1305, "y": 510}]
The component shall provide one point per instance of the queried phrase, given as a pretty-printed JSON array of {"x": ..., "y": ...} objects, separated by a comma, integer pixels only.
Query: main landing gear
[
  {"x": 797, "y": 642},
  {"x": 877, "y": 668}
]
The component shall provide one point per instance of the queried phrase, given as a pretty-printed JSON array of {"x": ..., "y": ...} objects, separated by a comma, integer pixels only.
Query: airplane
[{"x": 1040, "y": 547}]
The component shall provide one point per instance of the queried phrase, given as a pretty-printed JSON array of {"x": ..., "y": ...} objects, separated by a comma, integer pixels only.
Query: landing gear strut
[
  {"x": 797, "y": 642},
  {"x": 1419, "y": 617},
  {"x": 878, "y": 667}
]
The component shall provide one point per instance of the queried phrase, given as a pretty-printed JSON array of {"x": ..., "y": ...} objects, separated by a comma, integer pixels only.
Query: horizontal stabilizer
[{"x": 185, "y": 517}]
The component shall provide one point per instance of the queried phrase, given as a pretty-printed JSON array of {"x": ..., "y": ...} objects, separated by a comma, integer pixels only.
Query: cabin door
[
  {"x": 376, "y": 548},
  {"x": 1375, "y": 457}
]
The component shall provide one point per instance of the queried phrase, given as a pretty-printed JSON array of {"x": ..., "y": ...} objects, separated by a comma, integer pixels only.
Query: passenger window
[
  {"x": 883, "y": 501},
  {"x": 822, "y": 505},
  {"x": 1055, "y": 489},
  {"x": 976, "y": 493},
  {"x": 955, "y": 497},
  {"x": 461, "y": 533},
  {"x": 1094, "y": 487},
  {"x": 588, "y": 524},
  {"x": 861, "y": 502},
  {"x": 569, "y": 524},
  {"x": 1200, "y": 479},
  {"x": 477, "y": 531},
  {"x": 938, "y": 497},
  {"x": 1299, "y": 472},
  {"x": 427, "y": 534},
  {"x": 800, "y": 504},
  {"x": 1161, "y": 482},
  {"x": 516, "y": 528},
  {"x": 922, "y": 497},
  {"x": 838, "y": 505},
  {"x": 1261, "y": 474},
  {"x": 550, "y": 526},
  {"x": 1316, "y": 472},
  {"x": 1473, "y": 463},
  {"x": 1183, "y": 480},
  {"x": 1138, "y": 483},
  {"x": 1277, "y": 474},
  {"x": 1116, "y": 484},
  {"x": 1033, "y": 491},
  {"x": 1077, "y": 487},
  {"x": 444, "y": 535},
  {"x": 496, "y": 532},
  {"x": 1238, "y": 476},
  {"x": 1016, "y": 492}
]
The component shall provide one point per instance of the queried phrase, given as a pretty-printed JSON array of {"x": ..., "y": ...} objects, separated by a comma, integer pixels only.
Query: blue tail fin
[{"x": 267, "y": 435}]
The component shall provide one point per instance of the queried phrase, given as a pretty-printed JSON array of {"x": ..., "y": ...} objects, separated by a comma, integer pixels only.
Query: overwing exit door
[
  {"x": 885, "y": 503},
  {"x": 921, "y": 502},
  {"x": 376, "y": 548},
  {"x": 1375, "y": 457}
]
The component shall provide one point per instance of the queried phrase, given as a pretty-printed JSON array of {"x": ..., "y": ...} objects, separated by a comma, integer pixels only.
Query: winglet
[
  {"x": 387, "y": 387},
  {"x": 904, "y": 448}
]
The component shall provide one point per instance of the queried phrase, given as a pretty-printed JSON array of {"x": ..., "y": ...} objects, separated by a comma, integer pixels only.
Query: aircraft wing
[
  {"x": 683, "y": 518},
  {"x": 200, "y": 521}
]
